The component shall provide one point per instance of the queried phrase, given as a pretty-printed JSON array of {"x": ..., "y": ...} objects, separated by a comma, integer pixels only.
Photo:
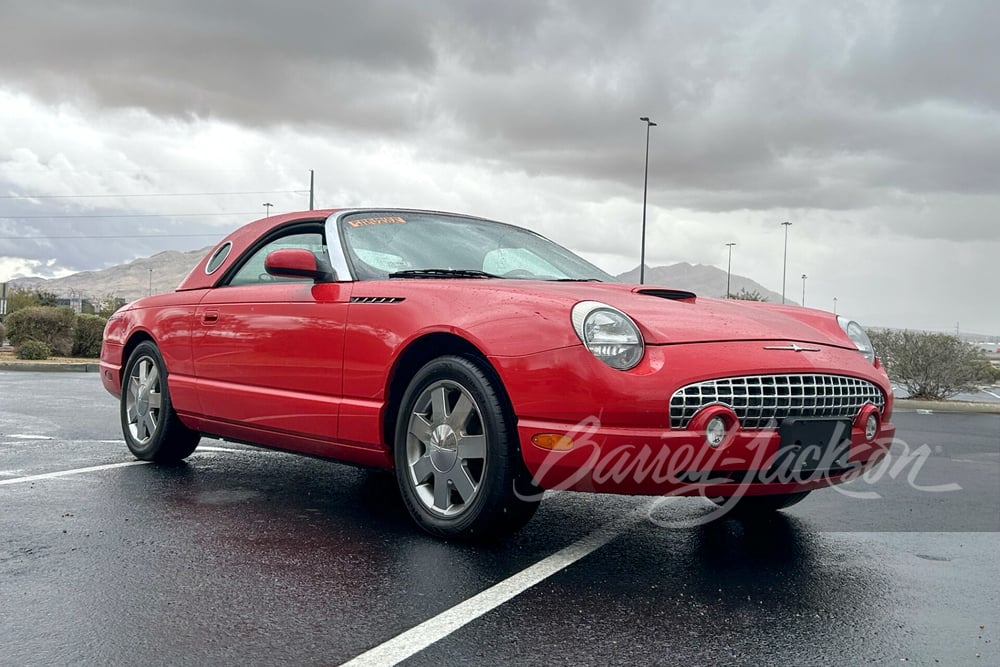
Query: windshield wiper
[{"x": 441, "y": 273}]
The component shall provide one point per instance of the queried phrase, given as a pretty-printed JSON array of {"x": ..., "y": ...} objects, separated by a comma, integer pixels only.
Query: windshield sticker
[{"x": 365, "y": 222}]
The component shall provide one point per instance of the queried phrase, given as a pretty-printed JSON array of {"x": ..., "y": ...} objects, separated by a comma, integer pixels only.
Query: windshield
[{"x": 400, "y": 244}]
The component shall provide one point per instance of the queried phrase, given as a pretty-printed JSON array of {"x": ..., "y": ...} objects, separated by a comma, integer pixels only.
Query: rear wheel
[
  {"x": 756, "y": 505},
  {"x": 458, "y": 462},
  {"x": 152, "y": 430}
]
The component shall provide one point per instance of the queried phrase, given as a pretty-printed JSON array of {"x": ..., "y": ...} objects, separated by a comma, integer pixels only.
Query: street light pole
[
  {"x": 645, "y": 186},
  {"x": 803, "y": 290},
  {"x": 729, "y": 271},
  {"x": 784, "y": 265},
  {"x": 834, "y": 305},
  {"x": 150, "y": 283},
  {"x": 267, "y": 209}
]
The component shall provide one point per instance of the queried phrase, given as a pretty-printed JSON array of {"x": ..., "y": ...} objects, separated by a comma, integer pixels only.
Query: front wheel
[
  {"x": 458, "y": 462},
  {"x": 152, "y": 430}
]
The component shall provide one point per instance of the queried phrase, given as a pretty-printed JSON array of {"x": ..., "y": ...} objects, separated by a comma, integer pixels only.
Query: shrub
[
  {"x": 746, "y": 295},
  {"x": 33, "y": 350},
  {"x": 52, "y": 326},
  {"x": 88, "y": 334},
  {"x": 931, "y": 366}
]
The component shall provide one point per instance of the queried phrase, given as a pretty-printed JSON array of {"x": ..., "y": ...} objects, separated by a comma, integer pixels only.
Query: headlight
[
  {"x": 858, "y": 337},
  {"x": 609, "y": 334}
]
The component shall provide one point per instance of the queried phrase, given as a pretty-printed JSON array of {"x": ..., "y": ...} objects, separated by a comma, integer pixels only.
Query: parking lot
[{"x": 244, "y": 556}]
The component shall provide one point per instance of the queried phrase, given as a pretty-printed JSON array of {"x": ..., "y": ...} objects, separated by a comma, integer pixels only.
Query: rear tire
[
  {"x": 152, "y": 430},
  {"x": 458, "y": 461}
]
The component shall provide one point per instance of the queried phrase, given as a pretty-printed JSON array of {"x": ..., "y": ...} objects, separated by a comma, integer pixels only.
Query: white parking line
[
  {"x": 65, "y": 473},
  {"x": 432, "y": 630},
  {"x": 108, "y": 466}
]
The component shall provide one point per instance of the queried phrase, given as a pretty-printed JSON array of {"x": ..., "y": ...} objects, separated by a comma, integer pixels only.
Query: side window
[{"x": 252, "y": 271}]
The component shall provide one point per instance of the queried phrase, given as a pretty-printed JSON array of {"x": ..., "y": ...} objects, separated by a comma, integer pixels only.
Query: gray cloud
[
  {"x": 881, "y": 114},
  {"x": 755, "y": 101}
]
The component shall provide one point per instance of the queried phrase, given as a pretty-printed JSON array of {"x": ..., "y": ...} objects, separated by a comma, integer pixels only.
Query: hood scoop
[{"x": 664, "y": 293}]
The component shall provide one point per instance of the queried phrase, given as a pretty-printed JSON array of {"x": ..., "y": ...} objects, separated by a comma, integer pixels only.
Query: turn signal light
[{"x": 554, "y": 441}]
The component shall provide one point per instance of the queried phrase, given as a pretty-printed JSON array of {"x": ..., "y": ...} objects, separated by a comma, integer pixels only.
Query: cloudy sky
[{"x": 127, "y": 128}]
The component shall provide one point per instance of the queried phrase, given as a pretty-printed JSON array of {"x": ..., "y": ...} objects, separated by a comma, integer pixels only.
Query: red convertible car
[{"x": 485, "y": 364}]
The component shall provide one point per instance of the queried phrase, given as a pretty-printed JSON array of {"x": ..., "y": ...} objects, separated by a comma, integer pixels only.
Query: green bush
[
  {"x": 52, "y": 326},
  {"x": 931, "y": 366},
  {"x": 33, "y": 350},
  {"x": 87, "y": 338}
]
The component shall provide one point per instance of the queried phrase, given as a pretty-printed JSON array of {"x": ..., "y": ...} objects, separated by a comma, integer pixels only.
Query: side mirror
[{"x": 297, "y": 263}]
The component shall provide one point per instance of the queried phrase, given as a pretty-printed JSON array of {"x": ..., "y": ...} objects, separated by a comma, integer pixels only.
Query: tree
[
  {"x": 930, "y": 366},
  {"x": 22, "y": 297},
  {"x": 745, "y": 295},
  {"x": 108, "y": 304}
]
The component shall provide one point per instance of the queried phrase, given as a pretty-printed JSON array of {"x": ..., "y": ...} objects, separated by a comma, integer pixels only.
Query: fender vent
[{"x": 376, "y": 299}]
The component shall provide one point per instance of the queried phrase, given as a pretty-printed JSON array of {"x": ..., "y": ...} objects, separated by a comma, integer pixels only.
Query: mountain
[
  {"x": 702, "y": 279},
  {"x": 132, "y": 280},
  {"x": 160, "y": 273}
]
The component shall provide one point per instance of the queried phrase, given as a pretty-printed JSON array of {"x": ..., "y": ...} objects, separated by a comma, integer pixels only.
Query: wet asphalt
[{"x": 249, "y": 557}]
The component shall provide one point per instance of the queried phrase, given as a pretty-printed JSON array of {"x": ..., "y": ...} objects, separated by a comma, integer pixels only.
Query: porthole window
[{"x": 218, "y": 258}]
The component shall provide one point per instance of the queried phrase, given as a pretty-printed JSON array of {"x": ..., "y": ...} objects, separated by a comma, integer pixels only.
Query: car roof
[{"x": 241, "y": 239}]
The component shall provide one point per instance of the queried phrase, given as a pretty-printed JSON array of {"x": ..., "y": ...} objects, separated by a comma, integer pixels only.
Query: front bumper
[
  {"x": 111, "y": 367},
  {"x": 611, "y": 432},
  {"x": 656, "y": 462}
]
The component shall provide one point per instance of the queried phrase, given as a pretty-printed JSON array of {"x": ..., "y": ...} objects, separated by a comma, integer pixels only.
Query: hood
[{"x": 670, "y": 316}]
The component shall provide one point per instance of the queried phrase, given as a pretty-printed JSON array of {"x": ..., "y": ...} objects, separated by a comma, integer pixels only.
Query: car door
[{"x": 268, "y": 351}]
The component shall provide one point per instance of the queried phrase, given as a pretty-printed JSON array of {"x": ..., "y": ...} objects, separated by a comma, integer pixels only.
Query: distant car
[{"x": 484, "y": 364}]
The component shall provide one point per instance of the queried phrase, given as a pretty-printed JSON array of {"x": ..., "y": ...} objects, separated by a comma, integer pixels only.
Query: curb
[
  {"x": 946, "y": 406},
  {"x": 56, "y": 367}
]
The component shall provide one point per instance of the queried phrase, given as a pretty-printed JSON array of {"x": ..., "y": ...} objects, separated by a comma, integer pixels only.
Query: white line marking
[
  {"x": 418, "y": 638},
  {"x": 109, "y": 466},
  {"x": 75, "y": 471},
  {"x": 29, "y": 436}
]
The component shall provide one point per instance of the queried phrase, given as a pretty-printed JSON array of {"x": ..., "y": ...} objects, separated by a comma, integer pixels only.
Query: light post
[
  {"x": 784, "y": 264},
  {"x": 150, "y": 292},
  {"x": 267, "y": 209},
  {"x": 834, "y": 305},
  {"x": 729, "y": 270},
  {"x": 803, "y": 290},
  {"x": 645, "y": 185}
]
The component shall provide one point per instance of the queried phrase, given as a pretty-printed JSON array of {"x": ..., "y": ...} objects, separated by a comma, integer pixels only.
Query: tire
[
  {"x": 749, "y": 506},
  {"x": 152, "y": 430},
  {"x": 457, "y": 458}
]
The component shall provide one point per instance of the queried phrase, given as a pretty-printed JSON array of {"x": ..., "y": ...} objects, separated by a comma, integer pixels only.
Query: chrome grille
[{"x": 757, "y": 399}]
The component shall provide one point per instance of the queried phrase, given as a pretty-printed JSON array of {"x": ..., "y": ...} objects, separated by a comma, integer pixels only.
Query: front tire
[
  {"x": 458, "y": 461},
  {"x": 152, "y": 430}
]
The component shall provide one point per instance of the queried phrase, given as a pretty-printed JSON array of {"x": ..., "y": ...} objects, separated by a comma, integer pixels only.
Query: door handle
[{"x": 210, "y": 317}]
